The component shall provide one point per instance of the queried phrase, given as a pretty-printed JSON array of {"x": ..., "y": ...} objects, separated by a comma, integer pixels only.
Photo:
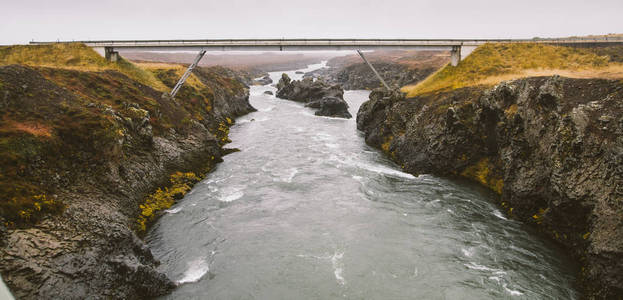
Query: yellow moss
[
  {"x": 586, "y": 235},
  {"x": 223, "y": 133},
  {"x": 160, "y": 200},
  {"x": 511, "y": 110},
  {"x": 481, "y": 172},
  {"x": 538, "y": 217},
  {"x": 497, "y": 185},
  {"x": 387, "y": 143},
  {"x": 29, "y": 210},
  {"x": 229, "y": 122}
]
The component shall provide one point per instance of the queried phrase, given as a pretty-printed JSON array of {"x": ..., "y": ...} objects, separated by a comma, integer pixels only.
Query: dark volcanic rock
[
  {"x": 329, "y": 99},
  {"x": 331, "y": 107},
  {"x": 551, "y": 147}
]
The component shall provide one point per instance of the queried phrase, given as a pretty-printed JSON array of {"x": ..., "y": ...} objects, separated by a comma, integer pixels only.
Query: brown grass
[
  {"x": 36, "y": 129},
  {"x": 73, "y": 56},
  {"x": 154, "y": 68},
  {"x": 609, "y": 72},
  {"x": 492, "y": 63}
]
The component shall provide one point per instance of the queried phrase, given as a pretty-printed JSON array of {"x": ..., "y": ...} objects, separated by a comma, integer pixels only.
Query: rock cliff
[
  {"x": 551, "y": 147},
  {"x": 80, "y": 153}
]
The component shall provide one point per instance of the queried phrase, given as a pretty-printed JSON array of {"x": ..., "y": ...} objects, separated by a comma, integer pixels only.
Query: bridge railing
[{"x": 328, "y": 42}]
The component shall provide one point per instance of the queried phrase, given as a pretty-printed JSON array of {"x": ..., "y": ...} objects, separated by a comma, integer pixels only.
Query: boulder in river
[
  {"x": 268, "y": 93},
  {"x": 331, "y": 107},
  {"x": 329, "y": 99}
]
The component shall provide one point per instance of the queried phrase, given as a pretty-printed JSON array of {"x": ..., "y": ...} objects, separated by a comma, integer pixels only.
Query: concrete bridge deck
[
  {"x": 455, "y": 46},
  {"x": 319, "y": 44}
]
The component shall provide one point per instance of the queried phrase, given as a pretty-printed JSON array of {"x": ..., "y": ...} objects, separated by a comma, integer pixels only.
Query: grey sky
[{"x": 23, "y": 20}]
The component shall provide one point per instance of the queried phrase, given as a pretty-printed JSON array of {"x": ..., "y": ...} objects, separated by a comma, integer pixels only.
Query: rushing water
[{"x": 308, "y": 211}]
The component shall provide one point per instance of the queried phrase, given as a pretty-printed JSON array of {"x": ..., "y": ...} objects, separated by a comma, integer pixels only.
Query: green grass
[
  {"x": 492, "y": 63},
  {"x": 74, "y": 56}
]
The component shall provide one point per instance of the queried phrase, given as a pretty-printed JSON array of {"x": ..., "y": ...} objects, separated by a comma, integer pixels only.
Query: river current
[{"x": 306, "y": 210}]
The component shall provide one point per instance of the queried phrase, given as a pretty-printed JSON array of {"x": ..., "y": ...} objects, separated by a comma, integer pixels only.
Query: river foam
[{"x": 196, "y": 270}]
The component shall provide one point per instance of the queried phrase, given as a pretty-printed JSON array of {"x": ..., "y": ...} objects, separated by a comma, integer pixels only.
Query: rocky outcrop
[
  {"x": 330, "y": 106},
  {"x": 328, "y": 99},
  {"x": 100, "y": 159},
  {"x": 551, "y": 147},
  {"x": 360, "y": 76}
]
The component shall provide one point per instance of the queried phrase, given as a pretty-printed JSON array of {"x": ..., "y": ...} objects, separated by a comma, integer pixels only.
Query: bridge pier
[
  {"x": 179, "y": 84},
  {"x": 374, "y": 70},
  {"x": 110, "y": 54},
  {"x": 455, "y": 55}
]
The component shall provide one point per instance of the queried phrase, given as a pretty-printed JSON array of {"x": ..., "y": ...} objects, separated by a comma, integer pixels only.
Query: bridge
[{"x": 455, "y": 46}]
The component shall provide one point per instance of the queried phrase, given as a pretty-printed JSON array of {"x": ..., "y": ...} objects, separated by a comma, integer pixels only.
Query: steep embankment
[
  {"x": 84, "y": 145},
  {"x": 398, "y": 68},
  {"x": 551, "y": 147}
]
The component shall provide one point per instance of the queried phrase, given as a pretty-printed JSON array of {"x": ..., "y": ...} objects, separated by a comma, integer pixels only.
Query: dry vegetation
[
  {"x": 75, "y": 57},
  {"x": 492, "y": 63},
  {"x": 177, "y": 69}
]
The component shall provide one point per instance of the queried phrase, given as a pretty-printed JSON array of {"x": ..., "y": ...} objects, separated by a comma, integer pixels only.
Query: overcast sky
[{"x": 41, "y": 20}]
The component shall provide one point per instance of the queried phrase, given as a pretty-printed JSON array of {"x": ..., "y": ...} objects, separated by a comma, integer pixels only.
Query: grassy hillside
[
  {"x": 76, "y": 57},
  {"x": 65, "y": 113},
  {"x": 492, "y": 63}
]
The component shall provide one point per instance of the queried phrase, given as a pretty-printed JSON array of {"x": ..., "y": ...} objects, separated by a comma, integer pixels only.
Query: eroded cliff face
[
  {"x": 98, "y": 143},
  {"x": 551, "y": 147}
]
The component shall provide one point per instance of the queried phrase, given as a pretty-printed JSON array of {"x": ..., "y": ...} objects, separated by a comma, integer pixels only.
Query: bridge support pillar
[
  {"x": 455, "y": 55},
  {"x": 110, "y": 54},
  {"x": 179, "y": 84},
  {"x": 374, "y": 70}
]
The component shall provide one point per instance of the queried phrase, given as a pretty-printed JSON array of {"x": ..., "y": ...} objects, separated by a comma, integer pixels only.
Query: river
[{"x": 306, "y": 210}]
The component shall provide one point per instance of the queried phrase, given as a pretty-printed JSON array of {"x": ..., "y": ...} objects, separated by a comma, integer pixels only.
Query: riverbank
[
  {"x": 550, "y": 147},
  {"x": 86, "y": 145}
]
